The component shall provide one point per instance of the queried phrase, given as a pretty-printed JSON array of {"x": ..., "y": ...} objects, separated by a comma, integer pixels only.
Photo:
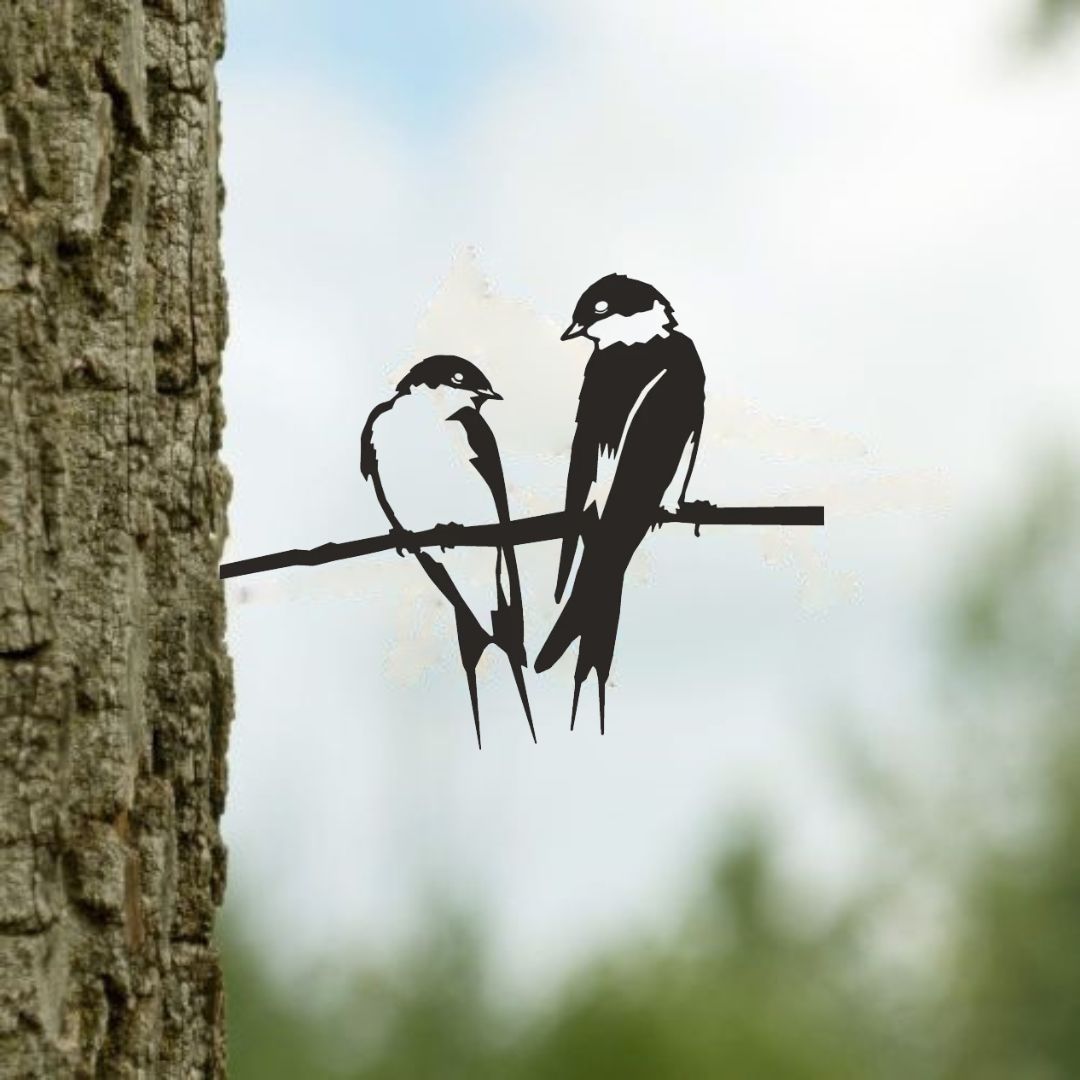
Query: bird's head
[
  {"x": 622, "y": 309},
  {"x": 450, "y": 377}
]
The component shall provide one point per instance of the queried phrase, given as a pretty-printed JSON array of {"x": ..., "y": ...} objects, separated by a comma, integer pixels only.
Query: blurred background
[{"x": 833, "y": 829}]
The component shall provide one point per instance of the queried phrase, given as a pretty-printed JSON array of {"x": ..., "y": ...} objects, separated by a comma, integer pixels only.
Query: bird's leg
[
  {"x": 600, "y": 691},
  {"x": 402, "y": 543}
]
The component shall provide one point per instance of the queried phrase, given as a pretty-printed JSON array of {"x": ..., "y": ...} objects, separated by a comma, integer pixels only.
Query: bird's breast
[
  {"x": 614, "y": 382},
  {"x": 426, "y": 469}
]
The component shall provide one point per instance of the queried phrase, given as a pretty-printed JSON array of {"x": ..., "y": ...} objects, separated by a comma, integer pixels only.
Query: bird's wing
[
  {"x": 675, "y": 494},
  {"x": 692, "y": 376},
  {"x": 607, "y": 464},
  {"x": 666, "y": 420},
  {"x": 584, "y": 454},
  {"x": 510, "y": 628},
  {"x": 486, "y": 461},
  {"x": 369, "y": 459},
  {"x": 510, "y": 620}
]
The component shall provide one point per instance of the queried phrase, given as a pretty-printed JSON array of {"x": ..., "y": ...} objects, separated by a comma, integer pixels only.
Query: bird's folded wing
[
  {"x": 653, "y": 447},
  {"x": 580, "y": 478}
]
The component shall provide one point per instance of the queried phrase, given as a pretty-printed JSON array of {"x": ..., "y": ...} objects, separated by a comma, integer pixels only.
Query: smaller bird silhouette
[
  {"x": 433, "y": 460},
  {"x": 639, "y": 420}
]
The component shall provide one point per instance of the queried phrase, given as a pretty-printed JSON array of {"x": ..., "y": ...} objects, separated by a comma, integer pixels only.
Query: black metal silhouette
[
  {"x": 537, "y": 529},
  {"x": 454, "y": 390},
  {"x": 639, "y": 424},
  {"x": 639, "y": 419}
]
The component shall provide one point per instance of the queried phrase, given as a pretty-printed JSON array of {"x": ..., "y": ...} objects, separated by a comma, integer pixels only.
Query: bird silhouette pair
[{"x": 433, "y": 460}]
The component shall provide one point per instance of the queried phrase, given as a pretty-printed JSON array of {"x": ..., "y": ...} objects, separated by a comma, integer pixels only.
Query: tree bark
[{"x": 115, "y": 690}]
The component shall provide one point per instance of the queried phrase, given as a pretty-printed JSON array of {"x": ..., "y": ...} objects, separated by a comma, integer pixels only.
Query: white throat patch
[
  {"x": 630, "y": 329},
  {"x": 444, "y": 401}
]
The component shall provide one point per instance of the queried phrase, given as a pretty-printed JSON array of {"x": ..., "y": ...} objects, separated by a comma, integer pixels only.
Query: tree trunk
[{"x": 115, "y": 692}]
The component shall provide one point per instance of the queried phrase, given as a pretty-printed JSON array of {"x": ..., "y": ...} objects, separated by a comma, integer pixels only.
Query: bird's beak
[
  {"x": 572, "y": 331},
  {"x": 480, "y": 396}
]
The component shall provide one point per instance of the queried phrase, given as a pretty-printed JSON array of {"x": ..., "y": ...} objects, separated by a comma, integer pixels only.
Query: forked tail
[{"x": 591, "y": 617}]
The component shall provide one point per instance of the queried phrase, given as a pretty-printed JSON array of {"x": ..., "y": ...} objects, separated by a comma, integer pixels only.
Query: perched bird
[
  {"x": 434, "y": 461},
  {"x": 639, "y": 420}
]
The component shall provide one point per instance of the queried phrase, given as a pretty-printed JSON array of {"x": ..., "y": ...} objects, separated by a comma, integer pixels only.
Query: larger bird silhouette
[
  {"x": 434, "y": 461},
  {"x": 639, "y": 420}
]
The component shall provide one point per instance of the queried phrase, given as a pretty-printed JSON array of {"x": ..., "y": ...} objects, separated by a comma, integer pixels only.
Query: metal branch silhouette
[{"x": 530, "y": 530}]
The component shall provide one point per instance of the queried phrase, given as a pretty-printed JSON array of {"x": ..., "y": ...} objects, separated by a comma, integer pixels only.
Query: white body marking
[
  {"x": 427, "y": 475},
  {"x": 673, "y": 495},
  {"x": 607, "y": 464},
  {"x": 630, "y": 329}
]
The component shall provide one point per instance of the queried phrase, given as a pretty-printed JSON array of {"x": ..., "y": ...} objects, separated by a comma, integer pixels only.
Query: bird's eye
[
  {"x": 457, "y": 377},
  {"x": 601, "y": 306}
]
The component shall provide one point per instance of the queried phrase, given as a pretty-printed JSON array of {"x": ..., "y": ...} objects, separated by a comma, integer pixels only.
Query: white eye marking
[
  {"x": 457, "y": 377},
  {"x": 601, "y": 306}
]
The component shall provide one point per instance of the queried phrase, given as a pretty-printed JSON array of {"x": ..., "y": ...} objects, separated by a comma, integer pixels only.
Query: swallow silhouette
[
  {"x": 639, "y": 420},
  {"x": 433, "y": 460}
]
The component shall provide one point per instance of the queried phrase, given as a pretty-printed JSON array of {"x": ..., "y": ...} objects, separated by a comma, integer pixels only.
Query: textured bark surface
[{"x": 115, "y": 693}]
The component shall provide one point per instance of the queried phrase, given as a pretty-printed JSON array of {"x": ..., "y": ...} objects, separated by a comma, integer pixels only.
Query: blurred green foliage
[
  {"x": 746, "y": 988},
  {"x": 1054, "y": 17},
  {"x": 1056, "y": 10}
]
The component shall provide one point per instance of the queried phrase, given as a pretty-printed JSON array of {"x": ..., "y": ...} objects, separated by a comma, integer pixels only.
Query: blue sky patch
[{"x": 422, "y": 63}]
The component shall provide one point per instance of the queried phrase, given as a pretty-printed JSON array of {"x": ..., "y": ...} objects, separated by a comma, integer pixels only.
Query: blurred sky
[{"x": 866, "y": 217}]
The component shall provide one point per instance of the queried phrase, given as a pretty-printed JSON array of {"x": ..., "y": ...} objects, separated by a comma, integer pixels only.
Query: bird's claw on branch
[
  {"x": 401, "y": 545},
  {"x": 693, "y": 508},
  {"x": 668, "y": 513}
]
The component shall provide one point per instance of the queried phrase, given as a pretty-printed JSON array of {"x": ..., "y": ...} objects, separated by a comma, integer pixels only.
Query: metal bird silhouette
[
  {"x": 433, "y": 460},
  {"x": 639, "y": 420}
]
